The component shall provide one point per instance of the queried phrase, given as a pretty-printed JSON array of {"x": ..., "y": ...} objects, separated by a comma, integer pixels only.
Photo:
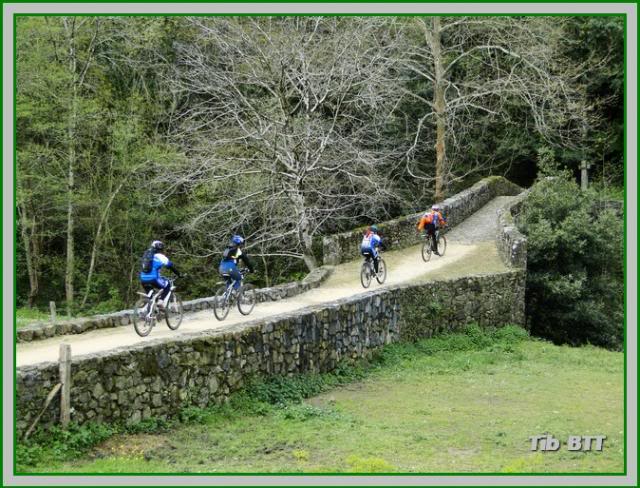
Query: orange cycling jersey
[{"x": 428, "y": 219}]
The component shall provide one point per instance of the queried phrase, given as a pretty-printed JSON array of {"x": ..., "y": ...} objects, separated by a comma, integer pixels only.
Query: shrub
[
  {"x": 58, "y": 444},
  {"x": 575, "y": 278}
]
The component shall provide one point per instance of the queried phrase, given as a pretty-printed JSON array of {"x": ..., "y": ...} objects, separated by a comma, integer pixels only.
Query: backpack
[
  {"x": 147, "y": 260},
  {"x": 230, "y": 253}
]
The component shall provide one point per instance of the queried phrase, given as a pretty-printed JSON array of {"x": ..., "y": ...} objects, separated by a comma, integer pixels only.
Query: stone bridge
[{"x": 309, "y": 326}]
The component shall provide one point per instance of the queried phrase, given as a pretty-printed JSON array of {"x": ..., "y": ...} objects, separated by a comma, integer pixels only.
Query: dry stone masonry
[
  {"x": 161, "y": 376},
  {"x": 511, "y": 243},
  {"x": 401, "y": 232}
]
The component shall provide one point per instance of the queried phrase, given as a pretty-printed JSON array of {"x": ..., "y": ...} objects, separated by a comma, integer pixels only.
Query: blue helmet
[
  {"x": 374, "y": 228},
  {"x": 237, "y": 240}
]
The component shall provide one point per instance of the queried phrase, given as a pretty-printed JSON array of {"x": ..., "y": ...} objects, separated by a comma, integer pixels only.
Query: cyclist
[
  {"x": 150, "y": 278},
  {"x": 371, "y": 242},
  {"x": 431, "y": 222},
  {"x": 230, "y": 257}
]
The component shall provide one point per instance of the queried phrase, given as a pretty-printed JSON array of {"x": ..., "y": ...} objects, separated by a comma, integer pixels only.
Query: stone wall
[
  {"x": 78, "y": 326},
  {"x": 511, "y": 243},
  {"x": 161, "y": 376},
  {"x": 401, "y": 232}
]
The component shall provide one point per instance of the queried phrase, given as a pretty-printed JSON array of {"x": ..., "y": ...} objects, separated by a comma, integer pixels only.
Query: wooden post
[
  {"x": 52, "y": 309},
  {"x": 584, "y": 177},
  {"x": 65, "y": 380}
]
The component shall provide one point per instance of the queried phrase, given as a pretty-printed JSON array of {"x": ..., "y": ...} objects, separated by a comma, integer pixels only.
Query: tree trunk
[
  {"x": 94, "y": 250},
  {"x": 68, "y": 277},
  {"x": 27, "y": 232},
  {"x": 71, "y": 134},
  {"x": 307, "y": 241},
  {"x": 304, "y": 230},
  {"x": 267, "y": 279},
  {"x": 439, "y": 104}
]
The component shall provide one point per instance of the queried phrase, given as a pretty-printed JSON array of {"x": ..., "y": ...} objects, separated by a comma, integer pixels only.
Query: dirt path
[{"x": 470, "y": 249}]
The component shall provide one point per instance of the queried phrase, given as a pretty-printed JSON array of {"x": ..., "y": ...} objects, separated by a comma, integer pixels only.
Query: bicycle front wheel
[
  {"x": 365, "y": 274},
  {"x": 173, "y": 312},
  {"x": 442, "y": 245},
  {"x": 221, "y": 304},
  {"x": 426, "y": 250},
  {"x": 246, "y": 299},
  {"x": 382, "y": 271},
  {"x": 143, "y": 321}
]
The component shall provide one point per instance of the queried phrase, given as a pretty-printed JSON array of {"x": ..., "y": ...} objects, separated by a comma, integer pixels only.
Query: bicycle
[
  {"x": 427, "y": 246},
  {"x": 227, "y": 296},
  {"x": 146, "y": 311},
  {"x": 367, "y": 271}
]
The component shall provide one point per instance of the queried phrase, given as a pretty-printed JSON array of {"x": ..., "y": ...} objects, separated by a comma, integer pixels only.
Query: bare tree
[
  {"x": 281, "y": 119},
  {"x": 479, "y": 67}
]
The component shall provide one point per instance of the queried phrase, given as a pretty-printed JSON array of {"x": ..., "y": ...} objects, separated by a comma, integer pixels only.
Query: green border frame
[{"x": 308, "y": 14}]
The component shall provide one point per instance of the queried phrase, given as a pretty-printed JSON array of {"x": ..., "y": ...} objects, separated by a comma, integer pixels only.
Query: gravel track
[{"x": 464, "y": 241}]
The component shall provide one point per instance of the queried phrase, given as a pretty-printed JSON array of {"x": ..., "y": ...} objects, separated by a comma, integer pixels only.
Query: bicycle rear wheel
[
  {"x": 381, "y": 276},
  {"x": 442, "y": 245},
  {"x": 173, "y": 312},
  {"x": 246, "y": 299},
  {"x": 365, "y": 274},
  {"x": 143, "y": 322},
  {"x": 221, "y": 304},
  {"x": 426, "y": 250}
]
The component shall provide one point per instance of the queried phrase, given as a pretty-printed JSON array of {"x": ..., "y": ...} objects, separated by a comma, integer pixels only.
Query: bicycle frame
[
  {"x": 369, "y": 259},
  {"x": 230, "y": 283},
  {"x": 431, "y": 238},
  {"x": 228, "y": 290},
  {"x": 153, "y": 299}
]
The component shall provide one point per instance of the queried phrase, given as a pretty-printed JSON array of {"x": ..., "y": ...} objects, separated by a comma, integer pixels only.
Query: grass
[
  {"x": 26, "y": 316},
  {"x": 461, "y": 403}
]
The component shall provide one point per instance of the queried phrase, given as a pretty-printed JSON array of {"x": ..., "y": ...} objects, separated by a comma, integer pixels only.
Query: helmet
[
  {"x": 435, "y": 208},
  {"x": 237, "y": 240},
  {"x": 157, "y": 245},
  {"x": 374, "y": 228}
]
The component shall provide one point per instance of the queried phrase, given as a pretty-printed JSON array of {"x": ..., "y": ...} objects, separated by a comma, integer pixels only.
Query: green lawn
[
  {"x": 26, "y": 316},
  {"x": 466, "y": 403}
]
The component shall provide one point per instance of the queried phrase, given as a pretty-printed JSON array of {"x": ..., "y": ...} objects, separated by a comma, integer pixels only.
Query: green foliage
[
  {"x": 129, "y": 107},
  {"x": 575, "y": 279},
  {"x": 281, "y": 390},
  {"x": 115, "y": 301},
  {"x": 472, "y": 339},
  {"x": 60, "y": 444},
  {"x": 26, "y": 316},
  {"x": 587, "y": 41},
  {"x": 57, "y": 444}
]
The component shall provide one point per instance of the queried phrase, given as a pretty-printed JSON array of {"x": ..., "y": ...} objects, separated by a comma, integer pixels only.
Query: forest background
[{"x": 284, "y": 129}]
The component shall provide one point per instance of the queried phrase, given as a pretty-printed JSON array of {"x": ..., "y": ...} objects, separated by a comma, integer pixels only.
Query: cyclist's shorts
[
  {"x": 227, "y": 267},
  {"x": 367, "y": 251}
]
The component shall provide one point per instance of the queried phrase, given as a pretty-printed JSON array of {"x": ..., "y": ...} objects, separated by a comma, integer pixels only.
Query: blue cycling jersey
[
  {"x": 371, "y": 243},
  {"x": 159, "y": 261}
]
